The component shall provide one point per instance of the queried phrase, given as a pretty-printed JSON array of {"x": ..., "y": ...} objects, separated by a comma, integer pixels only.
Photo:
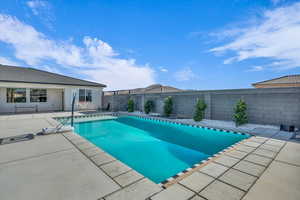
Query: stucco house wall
[
  {"x": 59, "y": 98},
  {"x": 96, "y": 98}
]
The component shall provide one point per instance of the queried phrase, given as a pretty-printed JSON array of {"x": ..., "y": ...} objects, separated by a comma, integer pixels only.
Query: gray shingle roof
[
  {"x": 30, "y": 75},
  {"x": 282, "y": 80}
]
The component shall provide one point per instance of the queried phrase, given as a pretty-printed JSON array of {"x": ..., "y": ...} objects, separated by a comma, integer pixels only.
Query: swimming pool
[{"x": 154, "y": 148}]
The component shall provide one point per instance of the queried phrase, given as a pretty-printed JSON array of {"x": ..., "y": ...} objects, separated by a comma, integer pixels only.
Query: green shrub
[
  {"x": 240, "y": 115},
  {"x": 130, "y": 105},
  {"x": 148, "y": 107},
  {"x": 200, "y": 110},
  {"x": 168, "y": 106}
]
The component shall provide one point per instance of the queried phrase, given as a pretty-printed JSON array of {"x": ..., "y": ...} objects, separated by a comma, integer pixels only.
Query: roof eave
[{"x": 86, "y": 85}]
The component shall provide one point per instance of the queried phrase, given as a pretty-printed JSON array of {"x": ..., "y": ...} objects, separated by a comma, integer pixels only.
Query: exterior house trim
[{"x": 59, "y": 94}]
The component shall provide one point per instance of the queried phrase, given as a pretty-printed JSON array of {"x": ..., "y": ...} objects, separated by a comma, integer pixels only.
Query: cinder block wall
[{"x": 265, "y": 105}]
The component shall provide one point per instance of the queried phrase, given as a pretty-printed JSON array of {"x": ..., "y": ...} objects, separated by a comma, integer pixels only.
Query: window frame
[
  {"x": 87, "y": 96},
  {"x": 38, "y": 96},
  {"x": 11, "y": 92}
]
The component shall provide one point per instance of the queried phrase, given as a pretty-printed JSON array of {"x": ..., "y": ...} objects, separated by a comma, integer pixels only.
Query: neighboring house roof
[
  {"x": 30, "y": 75},
  {"x": 162, "y": 87},
  {"x": 290, "y": 79},
  {"x": 155, "y": 88}
]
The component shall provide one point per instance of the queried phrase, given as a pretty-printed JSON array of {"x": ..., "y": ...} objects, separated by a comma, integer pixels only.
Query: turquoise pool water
[{"x": 158, "y": 150}]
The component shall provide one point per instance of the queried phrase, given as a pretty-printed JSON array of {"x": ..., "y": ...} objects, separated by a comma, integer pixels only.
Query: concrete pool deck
[{"x": 53, "y": 167}]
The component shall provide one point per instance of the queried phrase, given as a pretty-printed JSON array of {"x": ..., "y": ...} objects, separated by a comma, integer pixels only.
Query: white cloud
[
  {"x": 256, "y": 69},
  {"x": 95, "y": 58},
  {"x": 7, "y": 61},
  {"x": 43, "y": 10},
  {"x": 275, "y": 37},
  {"x": 33, "y": 47},
  {"x": 162, "y": 69},
  {"x": 37, "y": 6},
  {"x": 185, "y": 74}
]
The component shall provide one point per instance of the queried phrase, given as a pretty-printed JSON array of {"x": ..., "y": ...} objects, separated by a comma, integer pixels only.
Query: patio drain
[{"x": 18, "y": 138}]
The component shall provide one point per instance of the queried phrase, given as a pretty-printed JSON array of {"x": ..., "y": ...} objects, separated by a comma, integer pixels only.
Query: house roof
[
  {"x": 30, "y": 75},
  {"x": 281, "y": 80},
  {"x": 150, "y": 89},
  {"x": 158, "y": 86},
  {"x": 153, "y": 88}
]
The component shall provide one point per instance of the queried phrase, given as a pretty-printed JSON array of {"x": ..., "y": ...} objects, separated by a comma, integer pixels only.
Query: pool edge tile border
[
  {"x": 88, "y": 117},
  {"x": 181, "y": 123},
  {"x": 185, "y": 173},
  {"x": 171, "y": 180}
]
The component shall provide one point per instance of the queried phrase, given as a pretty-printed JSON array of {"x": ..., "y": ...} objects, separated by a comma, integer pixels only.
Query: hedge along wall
[{"x": 265, "y": 105}]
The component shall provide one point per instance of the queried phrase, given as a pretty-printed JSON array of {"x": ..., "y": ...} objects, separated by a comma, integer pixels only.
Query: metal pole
[{"x": 73, "y": 103}]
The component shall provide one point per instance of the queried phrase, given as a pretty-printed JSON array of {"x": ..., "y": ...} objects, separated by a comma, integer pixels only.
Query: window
[
  {"x": 81, "y": 95},
  {"x": 88, "y": 94},
  {"x": 16, "y": 95},
  {"x": 38, "y": 95},
  {"x": 85, "y": 95}
]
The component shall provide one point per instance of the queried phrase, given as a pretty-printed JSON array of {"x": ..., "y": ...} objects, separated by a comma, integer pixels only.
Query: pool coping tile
[
  {"x": 176, "y": 178},
  {"x": 196, "y": 181},
  {"x": 92, "y": 151},
  {"x": 115, "y": 168},
  {"x": 236, "y": 154},
  {"x": 85, "y": 145},
  {"x": 213, "y": 169},
  {"x": 128, "y": 177},
  {"x": 104, "y": 158},
  {"x": 142, "y": 189},
  {"x": 226, "y": 160},
  {"x": 175, "y": 192},
  {"x": 246, "y": 146},
  {"x": 252, "y": 144}
]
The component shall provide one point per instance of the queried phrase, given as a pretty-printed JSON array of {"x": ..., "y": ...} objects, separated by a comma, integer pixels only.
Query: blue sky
[{"x": 220, "y": 44}]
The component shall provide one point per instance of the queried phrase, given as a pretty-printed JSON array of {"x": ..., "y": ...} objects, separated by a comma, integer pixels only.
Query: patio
[{"x": 66, "y": 166}]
